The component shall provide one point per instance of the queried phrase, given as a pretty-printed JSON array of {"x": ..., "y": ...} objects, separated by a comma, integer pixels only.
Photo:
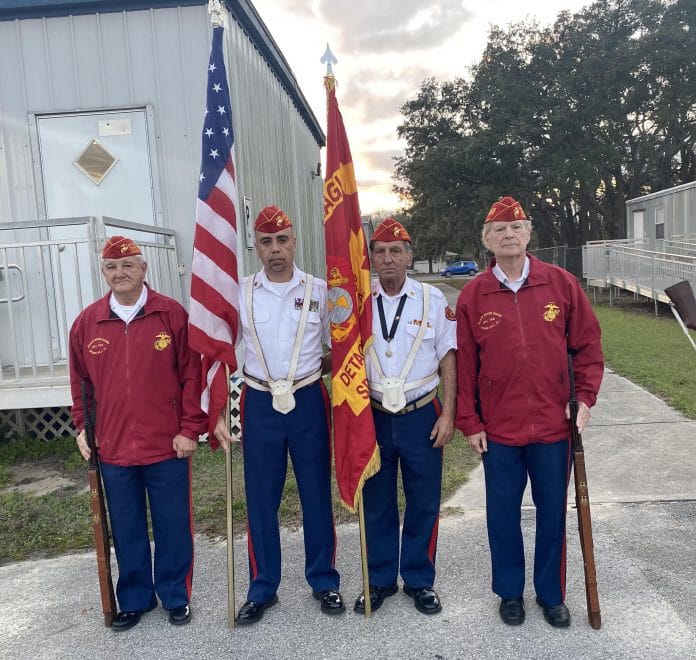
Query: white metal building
[
  {"x": 101, "y": 110},
  {"x": 660, "y": 248},
  {"x": 662, "y": 215}
]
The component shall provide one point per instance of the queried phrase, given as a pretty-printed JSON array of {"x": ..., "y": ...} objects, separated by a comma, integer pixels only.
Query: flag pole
[
  {"x": 348, "y": 280},
  {"x": 214, "y": 301},
  {"x": 229, "y": 500},
  {"x": 363, "y": 557}
]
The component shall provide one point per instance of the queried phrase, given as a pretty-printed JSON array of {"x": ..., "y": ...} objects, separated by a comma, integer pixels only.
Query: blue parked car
[{"x": 460, "y": 268}]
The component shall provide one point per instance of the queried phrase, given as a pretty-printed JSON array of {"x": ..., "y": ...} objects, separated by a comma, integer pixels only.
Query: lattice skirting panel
[{"x": 41, "y": 423}]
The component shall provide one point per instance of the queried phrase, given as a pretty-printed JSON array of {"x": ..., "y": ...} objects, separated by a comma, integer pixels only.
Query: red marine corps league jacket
[
  {"x": 145, "y": 377},
  {"x": 512, "y": 348}
]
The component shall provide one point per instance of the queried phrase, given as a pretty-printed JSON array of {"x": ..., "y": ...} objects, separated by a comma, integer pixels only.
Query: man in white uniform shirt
[
  {"x": 413, "y": 349},
  {"x": 285, "y": 407}
]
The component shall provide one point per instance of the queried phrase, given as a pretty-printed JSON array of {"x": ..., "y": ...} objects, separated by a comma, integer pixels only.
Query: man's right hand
[
  {"x": 222, "y": 433},
  {"x": 478, "y": 442},
  {"x": 82, "y": 445}
]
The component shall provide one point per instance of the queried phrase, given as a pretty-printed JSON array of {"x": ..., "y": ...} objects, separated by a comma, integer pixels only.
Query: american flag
[{"x": 214, "y": 308}]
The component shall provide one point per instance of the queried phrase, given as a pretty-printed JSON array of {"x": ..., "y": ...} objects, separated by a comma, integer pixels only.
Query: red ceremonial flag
[
  {"x": 350, "y": 313},
  {"x": 214, "y": 309}
]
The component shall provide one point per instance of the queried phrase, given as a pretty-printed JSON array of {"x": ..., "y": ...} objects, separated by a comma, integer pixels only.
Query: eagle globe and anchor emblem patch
[
  {"x": 551, "y": 312},
  {"x": 340, "y": 303},
  {"x": 162, "y": 340}
]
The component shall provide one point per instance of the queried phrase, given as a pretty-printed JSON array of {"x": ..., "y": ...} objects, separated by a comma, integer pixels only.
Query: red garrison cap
[
  {"x": 272, "y": 220},
  {"x": 118, "y": 247},
  {"x": 390, "y": 230},
  {"x": 506, "y": 209}
]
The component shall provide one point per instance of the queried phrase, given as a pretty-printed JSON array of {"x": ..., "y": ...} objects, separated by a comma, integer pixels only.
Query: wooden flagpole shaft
[
  {"x": 231, "y": 608},
  {"x": 363, "y": 556}
]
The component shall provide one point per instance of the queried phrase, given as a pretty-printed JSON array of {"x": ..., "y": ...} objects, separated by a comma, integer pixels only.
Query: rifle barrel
[
  {"x": 582, "y": 503},
  {"x": 100, "y": 525}
]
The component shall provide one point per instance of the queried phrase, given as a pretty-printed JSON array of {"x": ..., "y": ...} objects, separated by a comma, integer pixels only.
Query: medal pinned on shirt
[{"x": 389, "y": 335}]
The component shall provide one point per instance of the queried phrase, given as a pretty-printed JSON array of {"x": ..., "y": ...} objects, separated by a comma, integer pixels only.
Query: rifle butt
[
  {"x": 582, "y": 501},
  {"x": 102, "y": 546},
  {"x": 595, "y": 619}
]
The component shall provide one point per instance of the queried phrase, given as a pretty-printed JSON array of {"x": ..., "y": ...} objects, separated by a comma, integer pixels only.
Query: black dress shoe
[
  {"x": 425, "y": 598},
  {"x": 126, "y": 620},
  {"x": 331, "y": 601},
  {"x": 252, "y": 612},
  {"x": 512, "y": 611},
  {"x": 180, "y": 616},
  {"x": 557, "y": 615},
  {"x": 377, "y": 596}
]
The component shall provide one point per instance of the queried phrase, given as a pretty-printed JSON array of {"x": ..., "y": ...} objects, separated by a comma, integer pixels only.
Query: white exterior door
[
  {"x": 91, "y": 164},
  {"x": 638, "y": 225},
  {"x": 119, "y": 151}
]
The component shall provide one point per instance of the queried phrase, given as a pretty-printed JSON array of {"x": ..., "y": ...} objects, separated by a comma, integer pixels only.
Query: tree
[{"x": 573, "y": 120}]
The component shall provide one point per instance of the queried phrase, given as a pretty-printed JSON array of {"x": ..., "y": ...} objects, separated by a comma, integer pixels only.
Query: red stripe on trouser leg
[
  {"x": 252, "y": 558},
  {"x": 253, "y": 569},
  {"x": 432, "y": 546},
  {"x": 327, "y": 405},
  {"x": 562, "y": 575}
]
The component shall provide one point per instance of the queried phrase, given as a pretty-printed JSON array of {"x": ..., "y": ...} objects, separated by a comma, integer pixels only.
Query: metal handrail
[
  {"x": 59, "y": 276},
  {"x": 84, "y": 220},
  {"x": 6, "y": 268},
  {"x": 641, "y": 271}
]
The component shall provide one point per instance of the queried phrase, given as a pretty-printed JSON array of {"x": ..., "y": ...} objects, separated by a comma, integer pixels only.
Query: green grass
[
  {"x": 651, "y": 351},
  {"x": 63, "y": 449},
  {"x": 45, "y": 525},
  {"x": 209, "y": 488},
  {"x": 48, "y": 525}
]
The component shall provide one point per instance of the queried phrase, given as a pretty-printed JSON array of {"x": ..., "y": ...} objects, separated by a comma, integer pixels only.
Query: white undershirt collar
[
  {"x": 503, "y": 278},
  {"x": 128, "y": 312}
]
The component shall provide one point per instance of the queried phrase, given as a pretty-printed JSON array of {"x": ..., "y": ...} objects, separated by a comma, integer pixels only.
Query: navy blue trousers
[
  {"x": 168, "y": 488},
  {"x": 267, "y": 436},
  {"x": 506, "y": 469},
  {"x": 404, "y": 440}
]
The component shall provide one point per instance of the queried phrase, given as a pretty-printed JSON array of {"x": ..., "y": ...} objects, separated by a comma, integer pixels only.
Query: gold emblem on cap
[
  {"x": 162, "y": 340},
  {"x": 124, "y": 248}
]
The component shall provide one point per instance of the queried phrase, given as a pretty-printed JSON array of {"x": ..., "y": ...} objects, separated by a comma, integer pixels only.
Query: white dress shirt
[
  {"x": 128, "y": 312},
  {"x": 276, "y": 316},
  {"x": 440, "y": 336},
  {"x": 503, "y": 278}
]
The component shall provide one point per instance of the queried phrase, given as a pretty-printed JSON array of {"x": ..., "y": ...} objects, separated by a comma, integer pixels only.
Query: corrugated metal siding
[
  {"x": 274, "y": 156},
  {"x": 158, "y": 58},
  {"x": 679, "y": 205},
  {"x": 21, "y": 200}
]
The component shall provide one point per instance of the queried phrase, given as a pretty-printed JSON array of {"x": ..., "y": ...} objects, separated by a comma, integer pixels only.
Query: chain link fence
[{"x": 563, "y": 256}]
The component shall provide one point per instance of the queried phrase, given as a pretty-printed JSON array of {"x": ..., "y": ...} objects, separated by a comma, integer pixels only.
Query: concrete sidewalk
[{"x": 641, "y": 463}]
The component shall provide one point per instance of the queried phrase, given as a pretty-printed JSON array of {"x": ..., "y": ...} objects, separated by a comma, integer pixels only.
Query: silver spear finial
[{"x": 328, "y": 58}]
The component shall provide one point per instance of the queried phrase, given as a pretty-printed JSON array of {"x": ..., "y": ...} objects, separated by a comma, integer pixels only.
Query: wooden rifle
[
  {"x": 582, "y": 503},
  {"x": 100, "y": 525}
]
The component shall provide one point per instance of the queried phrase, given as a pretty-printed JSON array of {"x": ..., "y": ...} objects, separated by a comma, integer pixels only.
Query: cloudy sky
[{"x": 384, "y": 50}]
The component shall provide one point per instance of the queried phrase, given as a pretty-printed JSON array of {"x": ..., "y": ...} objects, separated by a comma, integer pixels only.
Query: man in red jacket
[
  {"x": 131, "y": 350},
  {"x": 516, "y": 323}
]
